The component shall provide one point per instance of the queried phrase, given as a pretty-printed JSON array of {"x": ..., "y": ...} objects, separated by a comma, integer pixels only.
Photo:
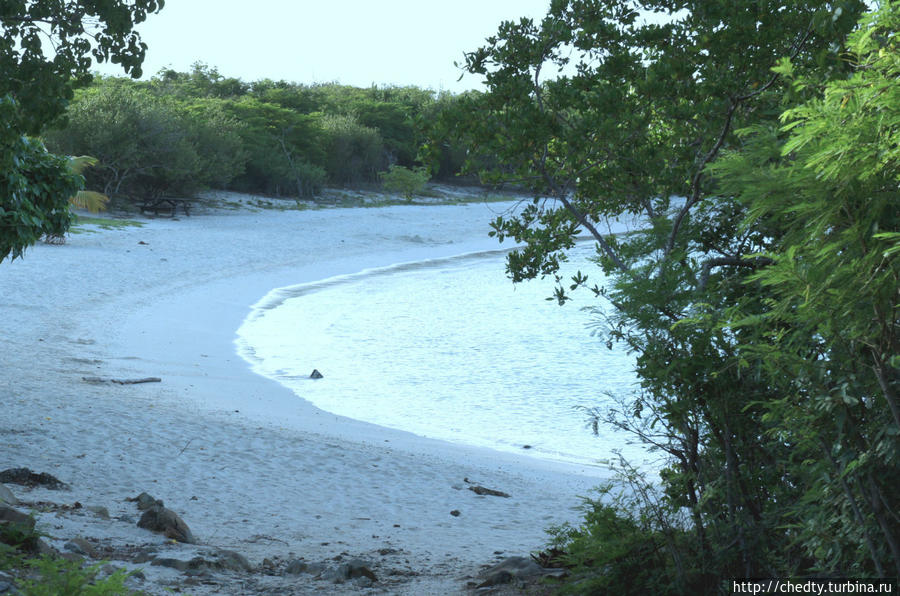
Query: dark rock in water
[
  {"x": 26, "y": 477},
  {"x": 508, "y": 569},
  {"x": 316, "y": 374},
  {"x": 166, "y": 521}
]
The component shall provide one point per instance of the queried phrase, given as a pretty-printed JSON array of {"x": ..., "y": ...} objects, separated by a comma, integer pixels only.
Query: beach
[{"x": 248, "y": 465}]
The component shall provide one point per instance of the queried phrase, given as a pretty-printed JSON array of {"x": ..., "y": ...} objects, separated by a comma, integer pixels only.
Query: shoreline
[{"x": 165, "y": 300}]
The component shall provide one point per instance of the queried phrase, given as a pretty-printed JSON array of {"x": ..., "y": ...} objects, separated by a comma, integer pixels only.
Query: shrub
[{"x": 406, "y": 181}]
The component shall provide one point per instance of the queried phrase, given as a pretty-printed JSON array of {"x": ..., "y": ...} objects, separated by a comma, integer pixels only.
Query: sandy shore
[{"x": 214, "y": 440}]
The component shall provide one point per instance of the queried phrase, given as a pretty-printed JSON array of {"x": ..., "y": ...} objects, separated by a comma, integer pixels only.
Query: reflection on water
[{"x": 448, "y": 349}]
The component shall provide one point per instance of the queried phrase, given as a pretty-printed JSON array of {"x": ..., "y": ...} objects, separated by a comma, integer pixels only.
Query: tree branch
[{"x": 730, "y": 262}]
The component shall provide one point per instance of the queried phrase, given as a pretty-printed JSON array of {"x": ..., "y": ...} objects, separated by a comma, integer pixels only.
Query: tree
[
  {"x": 407, "y": 181},
  {"x": 143, "y": 143},
  {"x": 355, "y": 153},
  {"x": 34, "y": 91},
  {"x": 149, "y": 145},
  {"x": 832, "y": 322},
  {"x": 629, "y": 122},
  {"x": 283, "y": 147}
]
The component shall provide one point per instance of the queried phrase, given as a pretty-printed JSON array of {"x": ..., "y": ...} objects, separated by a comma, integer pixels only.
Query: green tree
[
  {"x": 407, "y": 181},
  {"x": 35, "y": 88},
  {"x": 355, "y": 153},
  {"x": 284, "y": 149},
  {"x": 148, "y": 145},
  {"x": 142, "y": 142},
  {"x": 831, "y": 325},
  {"x": 628, "y": 122}
]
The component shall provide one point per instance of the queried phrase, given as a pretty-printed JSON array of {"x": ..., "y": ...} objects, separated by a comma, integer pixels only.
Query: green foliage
[
  {"x": 34, "y": 91},
  {"x": 148, "y": 146},
  {"x": 60, "y": 576},
  {"x": 354, "y": 151},
  {"x": 34, "y": 190},
  {"x": 50, "y": 576},
  {"x": 830, "y": 324},
  {"x": 79, "y": 31},
  {"x": 759, "y": 297},
  {"x": 283, "y": 149},
  {"x": 407, "y": 181}
]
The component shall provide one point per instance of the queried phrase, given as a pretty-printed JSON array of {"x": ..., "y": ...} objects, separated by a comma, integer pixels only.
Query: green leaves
[
  {"x": 34, "y": 194},
  {"x": 759, "y": 292},
  {"x": 34, "y": 91}
]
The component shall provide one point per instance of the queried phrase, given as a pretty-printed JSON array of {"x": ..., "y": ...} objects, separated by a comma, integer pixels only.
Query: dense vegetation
[
  {"x": 759, "y": 141},
  {"x": 35, "y": 186},
  {"x": 180, "y": 132}
]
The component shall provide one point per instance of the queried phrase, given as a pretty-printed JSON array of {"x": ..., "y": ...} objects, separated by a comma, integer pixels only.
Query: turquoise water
[{"x": 448, "y": 349}]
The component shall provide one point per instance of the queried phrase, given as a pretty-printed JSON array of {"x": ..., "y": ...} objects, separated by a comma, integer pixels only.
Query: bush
[
  {"x": 354, "y": 152},
  {"x": 149, "y": 146},
  {"x": 406, "y": 181}
]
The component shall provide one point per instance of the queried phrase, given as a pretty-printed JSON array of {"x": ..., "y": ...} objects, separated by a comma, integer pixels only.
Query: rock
[
  {"x": 7, "y": 497},
  {"x": 142, "y": 557},
  {"x": 172, "y": 563},
  {"x": 165, "y": 521},
  {"x": 354, "y": 569},
  {"x": 80, "y": 546},
  {"x": 506, "y": 570},
  {"x": 26, "y": 477},
  {"x": 101, "y": 512},
  {"x": 480, "y": 490},
  {"x": 359, "y": 568},
  {"x": 234, "y": 561},
  {"x": 316, "y": 374},
  {"x": 145, "y": 501},
  {"x": 42, "y": 548},
  {"x": 8, "y": 515},
  {"x": 296, "y": 567}
]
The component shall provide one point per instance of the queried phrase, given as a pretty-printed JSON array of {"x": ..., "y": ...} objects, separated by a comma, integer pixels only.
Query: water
[{"x": 448, "y": 349}]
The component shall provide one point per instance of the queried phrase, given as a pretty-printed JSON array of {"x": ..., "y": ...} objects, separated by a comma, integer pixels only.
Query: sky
[{"x": 353, "y": 42}]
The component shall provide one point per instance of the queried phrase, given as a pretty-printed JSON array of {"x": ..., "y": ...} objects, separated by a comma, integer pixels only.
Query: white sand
[{"x": 277, "y": 477}]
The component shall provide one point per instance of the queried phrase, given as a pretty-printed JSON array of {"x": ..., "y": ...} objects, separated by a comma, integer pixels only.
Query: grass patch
[{"x": 104, "y": 223}]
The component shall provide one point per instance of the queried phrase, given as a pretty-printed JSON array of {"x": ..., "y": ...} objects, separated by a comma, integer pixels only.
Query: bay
[{"x": 449, "y": 349}]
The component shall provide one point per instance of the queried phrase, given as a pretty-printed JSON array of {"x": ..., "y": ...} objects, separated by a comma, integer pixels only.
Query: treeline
[{"x": 181, "y": 132}]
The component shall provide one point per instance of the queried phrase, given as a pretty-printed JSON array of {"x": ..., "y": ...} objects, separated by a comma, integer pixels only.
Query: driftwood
[
  {"x": 121, "y": 381},
  {"x": 480, "y": 490}
]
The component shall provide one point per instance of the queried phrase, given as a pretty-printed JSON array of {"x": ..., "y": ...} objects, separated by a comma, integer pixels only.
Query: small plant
[
  {"x": 51, "y": 576},
  {"x": 406, "y": 181},
  {"x": 60, "y": 576}
]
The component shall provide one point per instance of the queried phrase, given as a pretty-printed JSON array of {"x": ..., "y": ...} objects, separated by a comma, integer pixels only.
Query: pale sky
[{"x": 354, "y": 42}]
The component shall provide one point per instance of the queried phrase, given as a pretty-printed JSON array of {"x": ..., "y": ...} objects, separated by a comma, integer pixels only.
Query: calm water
[{"x": 448, "y": 349}]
